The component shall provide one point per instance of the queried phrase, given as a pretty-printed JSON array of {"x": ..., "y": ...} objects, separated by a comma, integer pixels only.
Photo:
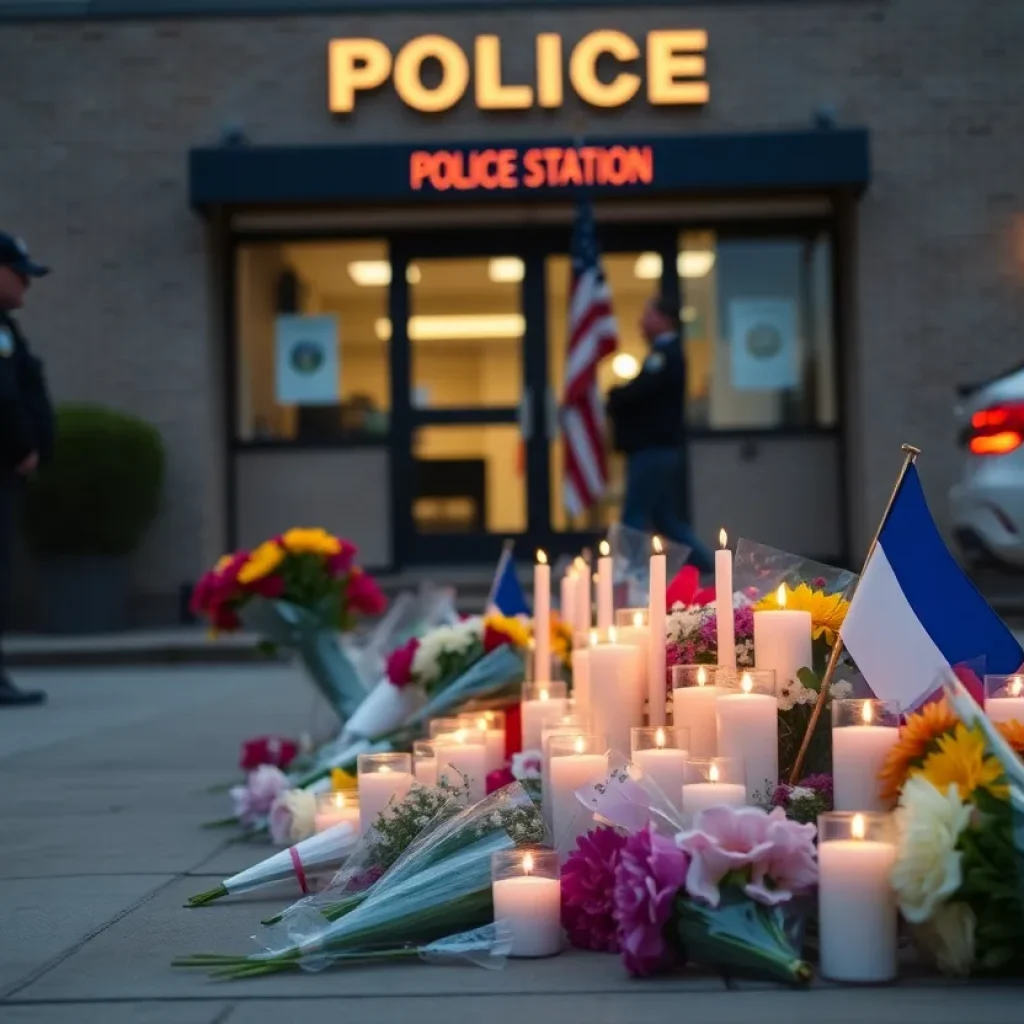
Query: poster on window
[
  {"x": 762, "y": 342},
  {"x": 307, "y": 365}
]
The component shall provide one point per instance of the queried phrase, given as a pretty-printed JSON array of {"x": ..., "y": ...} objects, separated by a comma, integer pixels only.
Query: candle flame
[
  {"x": 544, "y": 695},
  {"x": 593, "y": 638},
  {"x": 339, "y": 800},
  {"x": 780, "y": 595},
  {"x": 460, "y": 735},
  {"x": 528, "y": 864},
  {"x": 1016, "y": 685},
  {"x": 857, "y": 827},
  {"x": 579, "y": 563},
  {"x": 481, "y": 724},
  {"x": 702, "y": 676},
  {"x": 383, "y": 770},
  {"x": 613, "y": 635},
  {"x": 746, "y": 683},
  {"x": 605, "y": 548},
  {"x": 867, "y": 712},
  {"x": 638, "y": 618},
  {"x": 580, "y": 745},
  {"x": 659, "y": 738},
  {"x": 542, "y": 559},
  {"x": 723, "y": 538},
  {"x": 657, "y": 545},
  {"x": 713, "y": 773}
]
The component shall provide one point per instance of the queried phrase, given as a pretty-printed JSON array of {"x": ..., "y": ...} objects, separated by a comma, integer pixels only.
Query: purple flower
[
  {"x": 820, "y": 783},
  {"x": 650, "y": 873},
  {"x": 780, "y": 795},
  {"x": 254, "y": 800},
  {"x": 588, "y": 886}
]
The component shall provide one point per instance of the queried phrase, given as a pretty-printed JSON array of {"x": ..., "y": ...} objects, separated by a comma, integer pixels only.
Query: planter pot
[{"x": 87, "y": 594}]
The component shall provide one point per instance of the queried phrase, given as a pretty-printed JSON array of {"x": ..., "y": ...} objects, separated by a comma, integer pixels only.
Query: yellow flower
[
  {"x": 1013, "y": 732},
  {"x": 223, "y": 562},
  {"x": 262, "y": 562},
  {"x": 960, "y": 760},
  {"x": 917, "y": 736},
  {"x": 315, "y": 541},
  {"x": 516, "y": 630},
  {"x": 828, "y": 611},
  {"x": 341, "y": 781}
]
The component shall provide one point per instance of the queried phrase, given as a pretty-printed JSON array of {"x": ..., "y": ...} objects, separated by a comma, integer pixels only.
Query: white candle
[
  {"x": 376, "y": 790},
  {"x": 550, "y": 730},
  {"x": 616, "y": 691},
  {"x": 567, "y": 602},
  {"x": 581, "y": 680},
  {"x": 532, "y": 907},
  {"x": 542, "y": 619},
  {"x": 570, "y": 771},
  {"x": 605, "y": 587},
  {"x": 694, "y": 708},
  {"x": 463, "y": 753},
  {"x": 335, "y": 809},
  {"x": 425, "y": 771},
  {"x": 631, "y": 628},
  {"x": 782, "y": 640},
  {"x": 723, "y": 604},
  {"x": 584, "y": 598},
  {"x": 492, "y": 729},
  {"x": 549, "y": 704},
  {"x": 699, "y": 796},
  {"x": 1007, "y": 701},
  {"x": 657, "y": 616},
  {"x": 858, "y": 753},
  {"x": 748, "y": 730},
  {"x": 664, "y": 766},
  {"x": 856, "y": 907}
]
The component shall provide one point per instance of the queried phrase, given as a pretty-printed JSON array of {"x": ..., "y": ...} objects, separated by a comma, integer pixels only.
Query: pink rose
[
  {"x": 254, "y": 800},
  {"x": 400, "y": 663},
  {"x": 499, "y": 779},
  {"x": 364, "y": 595}
]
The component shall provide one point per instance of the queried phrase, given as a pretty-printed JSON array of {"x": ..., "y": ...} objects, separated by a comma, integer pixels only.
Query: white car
[{"x": 987, "y": 504}]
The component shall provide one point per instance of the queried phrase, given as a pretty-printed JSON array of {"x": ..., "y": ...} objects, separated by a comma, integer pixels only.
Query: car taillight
[{"x": 997, "y": 430}]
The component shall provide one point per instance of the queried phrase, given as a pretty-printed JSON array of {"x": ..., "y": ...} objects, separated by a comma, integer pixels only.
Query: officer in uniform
[
  {"x": 647, "y": 414},
  {"x": 26, "y": 425}
]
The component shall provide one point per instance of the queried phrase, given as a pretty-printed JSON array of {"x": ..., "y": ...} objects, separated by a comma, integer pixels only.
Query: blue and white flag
[
  {"x": 507, "y": 595},
  {"x": 915, "y": 614}
]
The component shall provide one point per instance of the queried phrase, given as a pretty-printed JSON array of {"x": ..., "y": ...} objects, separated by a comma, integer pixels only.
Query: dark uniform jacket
[
  {"x": 647, "y": 412},
  {"x": 26, "y": 416}
]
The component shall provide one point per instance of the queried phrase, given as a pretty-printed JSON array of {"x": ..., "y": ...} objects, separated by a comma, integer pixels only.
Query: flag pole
[{"x": 910, "y": 454}]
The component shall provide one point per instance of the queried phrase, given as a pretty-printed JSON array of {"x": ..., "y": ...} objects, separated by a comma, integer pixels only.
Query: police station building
[{"x": 324, "y": 247}]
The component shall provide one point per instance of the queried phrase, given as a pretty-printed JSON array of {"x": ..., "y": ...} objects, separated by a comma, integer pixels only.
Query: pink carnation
[
  {"x": 650, "y": 874},
  {"x": 364, "y": 595},
  {"x": 254, "y": 800},
  {"x": 588, "y": 886},
  {"x": 400, "y": 663},
  {"x": 499, "y": 779}
]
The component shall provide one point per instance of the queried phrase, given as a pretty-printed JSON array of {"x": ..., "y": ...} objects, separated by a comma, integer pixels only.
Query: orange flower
[
  {"x": 917, "y": 738},
  {"x": 1013, "y": 733}
]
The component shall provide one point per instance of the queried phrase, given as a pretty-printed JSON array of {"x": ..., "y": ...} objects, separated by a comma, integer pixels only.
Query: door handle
[
  {"x": 552, "y": 418},
  {"x": 526, "y": 414}
]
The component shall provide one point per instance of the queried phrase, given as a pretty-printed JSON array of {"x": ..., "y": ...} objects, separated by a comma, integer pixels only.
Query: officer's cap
[{"x": 14, "y": 254}]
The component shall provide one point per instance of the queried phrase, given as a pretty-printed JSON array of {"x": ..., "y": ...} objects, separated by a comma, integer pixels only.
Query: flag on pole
[
  {"x": 592, "y": 336},
  {"x": 915, "y": 615},
  {"x": 507, "y": 597}
]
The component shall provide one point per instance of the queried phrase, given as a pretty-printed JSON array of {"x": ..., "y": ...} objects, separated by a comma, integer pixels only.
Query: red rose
[
  {"x": 400, "y": 663},
  {"x": 224, "y": 618},
  {"x": 341, "y": 563},
  {"x": 272, "y": 750},
  {"x": 513, "y": 730},
  {"x": 685, "y": 589},
  {"x": 498, "y": 779},
  {"x": 494, "y": 638},
  {"x": 364, "y": 595},
  {"x": 270, "y": 587}
]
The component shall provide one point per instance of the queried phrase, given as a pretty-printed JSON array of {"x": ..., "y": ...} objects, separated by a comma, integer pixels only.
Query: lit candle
[
  {"x": 567, "y": 597},
  {"x": 856, "y": 905},
  {"x": 1005, "y": 698},
  {"x": 336, "y": 809},
  {"x": 693, "y": 707},
  {"x": 424, "y": 763},
  {"x": 568, "y": 725},
  {"x": 661, "y": 754},
  {"x": 542, "y": 619},
  {"x": 657, "y": 616},
  {"x": 713, "y": 782},
  {"x": 782, "y": 640},
  {"x": 631, "y": 628},
  {"x": 382, "y": 777},
  {"x": 616, "y": 690},
  {"x": 490, "y": 725},
  {"x": 748, "y": 729},
  {"x": 581, "y": 672},
  {"x": 723, "y": 604},
  {"x": 605, "y": 587},
  {"x": 863, "y": 733},
  {"x": 584, "y": 599},
  {"x": 576, "y": 761},
  {"x": 462, "y": 756},
  {"x": 542, "y": 702},
  {"x": 527, "y": 896}
]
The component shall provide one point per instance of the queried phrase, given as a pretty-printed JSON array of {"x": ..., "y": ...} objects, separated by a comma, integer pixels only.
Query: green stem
[
  {"x": 221, "y": 822},
  {"x": 203, "y": 898}
]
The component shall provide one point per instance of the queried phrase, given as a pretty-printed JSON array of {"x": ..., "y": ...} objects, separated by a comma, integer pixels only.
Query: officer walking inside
[
  {"x": 647, "y": 414},
  {"x": 26, "y": 426}
]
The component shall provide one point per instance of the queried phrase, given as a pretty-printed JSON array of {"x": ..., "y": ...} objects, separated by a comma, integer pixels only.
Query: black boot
[{"x": 11, "y": 696}]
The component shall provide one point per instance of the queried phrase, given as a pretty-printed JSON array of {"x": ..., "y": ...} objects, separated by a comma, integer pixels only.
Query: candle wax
[
  {"x": 534, "y": 714},
  {"x": 375, "y": 792},
  {"x": 581, "y": 681},
  {"x": 455, "y": 760},
  {"x": 542, "y": 622},
  {"x": 666, "y": 768},
  {"x": 532, "y": 906},
  {"x": 699, "y": 796},
  {"x": 328, "y": 817},
  {"x": 1005, "y": 709},
  {"x": 748, "y": 730},
  {"x": 782, "y": 641},
  {"x": 617, "y": 693},
  {"x": 425, "y": 771},
  {"x": 858, "y": 752},
  {"x": 724, "y": 614},
  {"x": 569, "y": 818},
  {"x": 694, "y": 708},
  {"x": 605, "y": 593}
]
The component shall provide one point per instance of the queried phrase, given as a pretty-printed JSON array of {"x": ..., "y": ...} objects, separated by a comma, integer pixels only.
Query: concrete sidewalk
[{"x": 101, "y": 797}]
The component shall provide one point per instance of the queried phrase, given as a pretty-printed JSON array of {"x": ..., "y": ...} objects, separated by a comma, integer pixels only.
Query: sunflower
[
  {"x": 828, "y": 611},
  {"x": 262, "y": 562},
  {"x": 1013, "y": 733},
  {"x": 917, "y": 737},
  {"x": 315, "y": 541},
  {"x": 960, "y": 760}
]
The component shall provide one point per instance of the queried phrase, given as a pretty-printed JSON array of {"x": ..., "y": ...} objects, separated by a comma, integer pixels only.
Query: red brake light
[{"x": 997, "y": 430}]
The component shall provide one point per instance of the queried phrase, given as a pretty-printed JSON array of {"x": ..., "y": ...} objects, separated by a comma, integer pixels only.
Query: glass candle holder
[
  {"x": 576, "y": 761},
  {"x": 661, "y": 753},
  {"x": 542, "y": 702},
  {"x": 336, "y": 808},
  {"x": 1004, "y": 698},
  {"x": 693, "y": 706},
  {"x": 856, "y": 905},
  {"x": 618, "y": 685},
  {"x": 527, "y": 892},
  {"x": 424, "y": 760},
  {"x": 625, "y": 617},
  {"x": 863, "y": 733},
  {"x": 492, "y": 725},
  {"x": 443, "y": 726},
  {"x": 462, "y": 760},
  {"x": 382, "y": 778},
  {"x": 570, "y": 724},
  {"x": 713, "y": 782},
  {"x": 748, "y": 726}
]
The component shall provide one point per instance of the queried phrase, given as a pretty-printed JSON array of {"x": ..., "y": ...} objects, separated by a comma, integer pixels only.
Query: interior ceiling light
[
  {"x": 625, "y": 366},
  {"x": 377, "y": 273},
  {"x": 648, "y": 266},
  {"x": 506, "y": 269},
  {"x": 695, "y": 262},
  {"x": 458, "y": 327}
]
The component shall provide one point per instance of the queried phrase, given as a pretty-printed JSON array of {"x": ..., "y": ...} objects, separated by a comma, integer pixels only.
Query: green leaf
[{"x": 809, "y": 678}]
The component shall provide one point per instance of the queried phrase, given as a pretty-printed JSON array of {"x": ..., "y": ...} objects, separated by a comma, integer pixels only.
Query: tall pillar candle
[
  {"x": 542, "y": 619},
  {"x": 576, "y": 761},
  {"x": 1004, "y": 698},
  {"x": 527, "y": 893},
  {"x": 567, "y": 602},
  {"x": 568, "y": 725},
  {"x": 694, "y": 698},
  {"x": 382, "y": 778},
  {"x": 462, "y": 759},
  {"x": 724, "y": 615},
  {"x": 782, "y": 640},
  {"x": 657, "y": 618},
  {"x": 631, "y": 628},
  {"x": 616, "y": 690},
  {"x": 748, "y": 727},
  {"x": 863, "y": 733},
  {"x": 584, "y": 597},
  {"x": 582, "y": 642},
  {"x": 542, "y": 702},
  {"x": 491, "y": 725},
  {"x": 605, "y": 587},
  {"x": 856, "y": 905}
]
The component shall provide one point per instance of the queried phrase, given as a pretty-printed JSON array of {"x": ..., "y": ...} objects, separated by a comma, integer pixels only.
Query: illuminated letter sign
[{"x": 675, "y": 69}]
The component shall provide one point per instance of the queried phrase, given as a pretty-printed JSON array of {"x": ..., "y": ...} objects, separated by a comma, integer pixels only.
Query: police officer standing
[
  {"x": 26, "y": 425},
  {"x": 647, "y": 413}
]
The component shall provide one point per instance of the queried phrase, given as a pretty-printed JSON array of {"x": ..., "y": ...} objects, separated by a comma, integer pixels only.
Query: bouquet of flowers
[
  {"x": 297, "y": 591},
  {"x": 957, "y": 877}
]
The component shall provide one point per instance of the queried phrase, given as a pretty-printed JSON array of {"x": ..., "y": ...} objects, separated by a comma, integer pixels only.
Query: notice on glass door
[
  {"x": 307, "y": 370},
  {"x": 762, "y": 343}
]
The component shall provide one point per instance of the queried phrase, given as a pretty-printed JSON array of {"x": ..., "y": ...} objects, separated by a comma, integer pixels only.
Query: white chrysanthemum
[
  {"x": 801, "y": 793},
  {"x": 928, "y": 867},
  {"x": 683, "y": 623},
  {"x": 785, "y": 696},
  {"x": 950, "y": 937},
  {"x": 301, "y": 805}
]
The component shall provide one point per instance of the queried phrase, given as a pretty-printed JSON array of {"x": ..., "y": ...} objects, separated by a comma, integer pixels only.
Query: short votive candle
[
  {"x": 748, "y": 726},
  {"x": 424, "y": 760},
  {"x": 713, "y": 782},
  {"x": 444, "y": 726},
  {"x": 576, "y": 761},
  {"x": 542, "y": 702},
  {"x": 693, "y": 706},
  {"x": 382, "y": 778},
  {"x": 336, "y": 808},
  {"x": 461, "y": 759},
  {"x": 863, "y": 733},
  {"x": 661, "y": 753},
  {"x": 492, "y": 725},
  {"x": 1004, "y": 698},
  {"x": 568, "y": 725},
  {"x": 856, "y": 905},
  {"x": 527, "y": 894}
]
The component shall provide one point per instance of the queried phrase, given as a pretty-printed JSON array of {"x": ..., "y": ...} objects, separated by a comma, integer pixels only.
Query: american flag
[{"x": 592, "y": 336}]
